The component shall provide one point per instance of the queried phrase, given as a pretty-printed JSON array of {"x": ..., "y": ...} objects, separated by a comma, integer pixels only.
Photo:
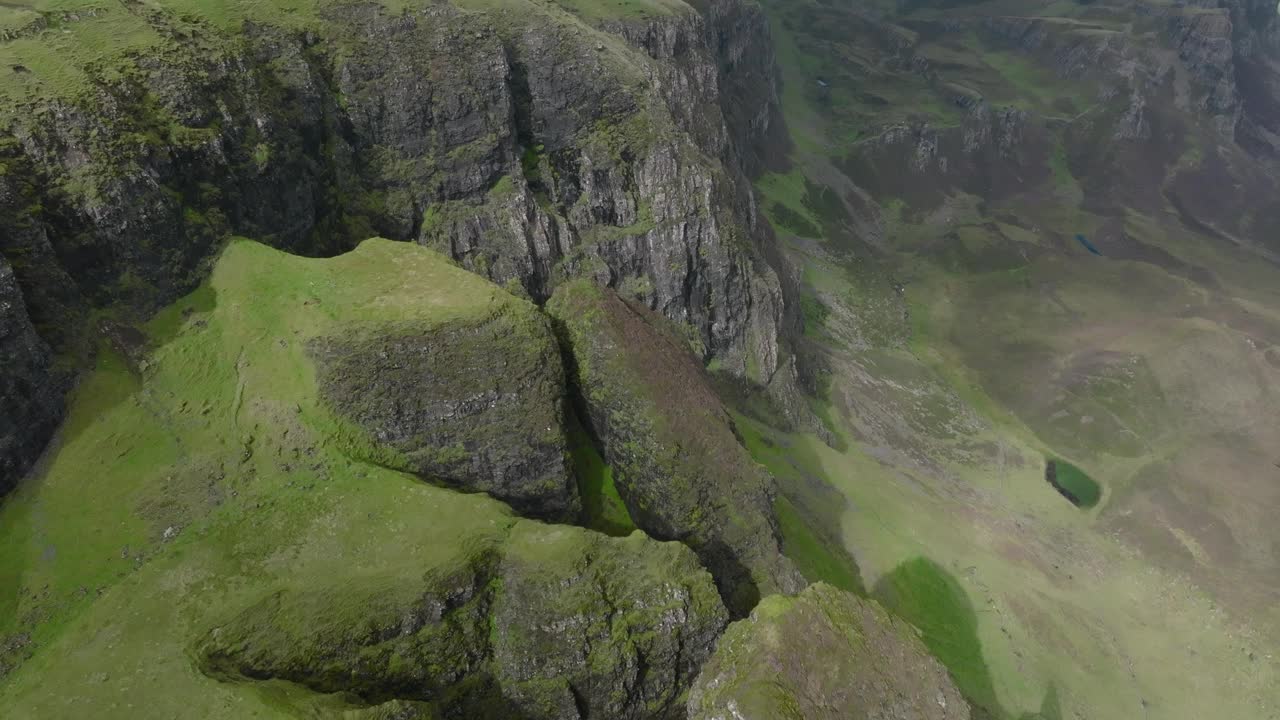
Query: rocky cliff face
[
  {"x": 993, "y": 153},
  {"x": 29, "y": 389},
  {"x": 1150, "y": 104},
  {"x": 680, "y": 468},
  {"x": 531, "y": 143}
]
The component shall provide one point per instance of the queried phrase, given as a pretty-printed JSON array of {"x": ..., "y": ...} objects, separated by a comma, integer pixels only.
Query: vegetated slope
[
  {"x": 947, "y": 157},
  {"x": 211, "y": 540},
  {"x": 218, "y": 534},
  {"x": 823, "y": 654},
  {"x": 532, "y": 142}
]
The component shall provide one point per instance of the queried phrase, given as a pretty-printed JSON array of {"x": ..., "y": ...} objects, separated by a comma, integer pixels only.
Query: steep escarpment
[
  {"x": 29, "y": 385},
  {"x": 679, "y": 466},
  {"x": 992, "y": 153},
  {"x": 1144, "y": 105},
  {"x": 533, "y": 143}
]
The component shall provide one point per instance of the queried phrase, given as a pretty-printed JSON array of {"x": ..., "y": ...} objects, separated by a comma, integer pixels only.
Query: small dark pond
[
  {"x": 1072, "y": 483},
  {"x": 1088, "y": 245}
]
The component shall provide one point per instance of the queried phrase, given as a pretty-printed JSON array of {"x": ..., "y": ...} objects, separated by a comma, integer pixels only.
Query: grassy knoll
[
  {"x": 216, "y": 459},
  {"x": 215, "y": 478}
]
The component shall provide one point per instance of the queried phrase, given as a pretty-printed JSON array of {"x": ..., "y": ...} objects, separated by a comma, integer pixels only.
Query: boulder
[{"x": 475, "y": 400}]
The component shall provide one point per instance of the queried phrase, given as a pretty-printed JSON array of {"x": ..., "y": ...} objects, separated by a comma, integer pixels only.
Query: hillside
[
  {"x": 639, "y": 359},
  {"x": 1037, "y": 243}
]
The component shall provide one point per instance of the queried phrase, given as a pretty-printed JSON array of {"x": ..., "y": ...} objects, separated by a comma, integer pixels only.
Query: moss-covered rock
[
  {"x": 476, "y": 401},
  {"x": 617, "y": 627},
  {"x": 823, "y": 654},
  {"x": 550, "y": 622},
  {"x": 681, "y": 470},
  {"x": 383, "y": 637}
]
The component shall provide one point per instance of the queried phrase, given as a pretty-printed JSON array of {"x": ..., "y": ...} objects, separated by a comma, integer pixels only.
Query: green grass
[
  {"x": 811, "y": 538},
  {"x": 815, "y": 313},
  {"x": 602, "y": 507},
  {"x": 926, "y": 595},
  {"x": 788, "y": 219},
  {"x": 1062, "y": 177},
  {"x": 621, "y": 9},
  {"x": 223, "y": 445},
  {"x": 1034, "y": 86},
  {"x": 818, "y": 559}
]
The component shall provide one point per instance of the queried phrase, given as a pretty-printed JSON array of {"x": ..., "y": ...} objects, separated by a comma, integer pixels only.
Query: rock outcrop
[
  {"x": 996, "y": 152},
  {"x": 1142, "y": 105},
  {"x": 30, "y": 394},
  {"x": 824, "y": 654},
  {"x": 678, "y": 464},
  {"x": 532, "y": 143},
  {"x": 555, "y": 622},
  {"x": 476, "y": 401}
]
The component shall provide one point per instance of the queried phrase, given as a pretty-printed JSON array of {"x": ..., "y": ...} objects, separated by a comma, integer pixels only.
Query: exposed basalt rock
[
  {"x": 634, "y": 182},
  {"x": 53, "y": 300},
  {"x": 477, "y": 402},
  {"x": 517, "y": 146},
  {"x": 679, "y": 466},
  {"x": 996, "y": 153},
  {"x": 823, "y": 654},
  {"x": 532, "y": 149},
  {"x": 30, "y": 393},
  {"x": 722, "y": 55},
  {"x": 1203, "y": 41},
  {"x": 553, "y": 622}
]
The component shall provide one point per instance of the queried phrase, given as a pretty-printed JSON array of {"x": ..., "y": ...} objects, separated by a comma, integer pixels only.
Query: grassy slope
[
  {"x": 602, "y": 506},
  {"x": 224, "y": 447},
  {"x": 1019, "y": 348}
]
